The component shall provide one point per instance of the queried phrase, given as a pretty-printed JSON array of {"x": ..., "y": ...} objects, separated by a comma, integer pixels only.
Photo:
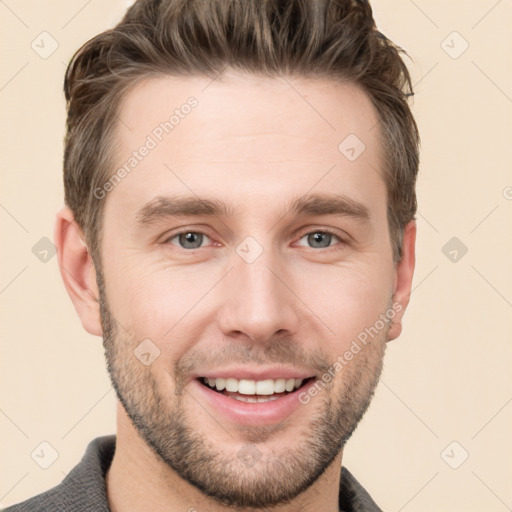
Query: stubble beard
[{"x": 249, "y": 476}]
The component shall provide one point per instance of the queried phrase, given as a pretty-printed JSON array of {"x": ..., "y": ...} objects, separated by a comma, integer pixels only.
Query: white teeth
[
  {"x": 254, "y": 400},
  {"x": 246, "y": 387},
  {"x": 250, "y": 399},
  {"x": 265, "y": 387},
  {"x": 262, "y": 399},
  {"x": 231, "y": 385},
  {"x": 279, "y": 385}
]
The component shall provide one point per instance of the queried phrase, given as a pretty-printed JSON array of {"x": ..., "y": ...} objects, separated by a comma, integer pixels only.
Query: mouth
[{"x": 254, "y": 391}]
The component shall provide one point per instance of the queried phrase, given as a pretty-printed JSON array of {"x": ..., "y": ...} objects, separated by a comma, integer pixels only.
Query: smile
[{"x": 254, "y": 391}]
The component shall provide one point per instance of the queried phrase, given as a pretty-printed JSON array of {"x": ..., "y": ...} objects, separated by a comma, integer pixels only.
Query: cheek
[
  {"x": 347, "y": 300},
  {"x": 161, "y": 304}
]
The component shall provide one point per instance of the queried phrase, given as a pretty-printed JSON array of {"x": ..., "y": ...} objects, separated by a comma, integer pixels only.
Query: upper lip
[{"x": 247, "y": 373}]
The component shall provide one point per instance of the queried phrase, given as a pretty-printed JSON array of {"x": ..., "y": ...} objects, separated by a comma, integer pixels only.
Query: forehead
[{"x": 245, "y": 133}]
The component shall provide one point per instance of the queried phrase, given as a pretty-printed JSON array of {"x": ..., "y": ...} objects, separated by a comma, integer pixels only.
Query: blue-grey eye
[
  {"x": 319, "y": 239},
  {"x": 189, "y": 239}
]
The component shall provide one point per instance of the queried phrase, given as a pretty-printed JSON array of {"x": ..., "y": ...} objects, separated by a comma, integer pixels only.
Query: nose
[{"x": 258, "y": 302}]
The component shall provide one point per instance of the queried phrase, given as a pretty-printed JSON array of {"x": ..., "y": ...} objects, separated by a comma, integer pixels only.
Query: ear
[
  {"x": 77, "y": 271},
  {"x": 403, "y": 279}
]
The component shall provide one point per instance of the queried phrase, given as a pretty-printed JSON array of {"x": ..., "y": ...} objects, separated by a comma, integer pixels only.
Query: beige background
[{"x": 448, "y": 378}]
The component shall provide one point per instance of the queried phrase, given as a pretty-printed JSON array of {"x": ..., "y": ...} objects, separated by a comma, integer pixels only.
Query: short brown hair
[{"x": 334, "y": 39}]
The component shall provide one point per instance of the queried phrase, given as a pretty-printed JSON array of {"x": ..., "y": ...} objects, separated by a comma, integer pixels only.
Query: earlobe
[
  {"x": 403, "y": 279},
  {"x": 77, "y": 271}
]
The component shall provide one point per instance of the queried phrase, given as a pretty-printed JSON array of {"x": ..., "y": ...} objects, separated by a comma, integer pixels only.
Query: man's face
[{"x": 276, "y": 285}]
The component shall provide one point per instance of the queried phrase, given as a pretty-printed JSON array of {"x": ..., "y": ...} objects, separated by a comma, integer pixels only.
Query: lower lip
[{"x": 245, "y": 413}]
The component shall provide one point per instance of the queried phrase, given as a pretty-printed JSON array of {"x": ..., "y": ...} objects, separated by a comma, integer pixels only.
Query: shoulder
[
  {"x": 82, "y": 489},
  {"x": 353, "y": 497},
  {"x": 53, "y": 499}
]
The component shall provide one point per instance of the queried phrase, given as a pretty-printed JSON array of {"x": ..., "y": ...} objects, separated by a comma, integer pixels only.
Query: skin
[{"x": 255, "y": 144}]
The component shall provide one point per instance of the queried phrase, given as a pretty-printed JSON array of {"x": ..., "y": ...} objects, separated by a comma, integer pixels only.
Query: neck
[{"x": 139, "y": 480}]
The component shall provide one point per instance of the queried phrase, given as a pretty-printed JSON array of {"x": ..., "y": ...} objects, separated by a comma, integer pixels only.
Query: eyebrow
[{"x": 163, "y": 207}]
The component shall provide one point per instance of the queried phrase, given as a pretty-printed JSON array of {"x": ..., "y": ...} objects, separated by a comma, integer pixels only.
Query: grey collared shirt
[{"x": 84, "y": 489}]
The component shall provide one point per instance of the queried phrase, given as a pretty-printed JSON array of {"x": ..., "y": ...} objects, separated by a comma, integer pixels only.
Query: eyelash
[
  {"x": 335, "y": 246},
  {"x": 314, "y": 231}
]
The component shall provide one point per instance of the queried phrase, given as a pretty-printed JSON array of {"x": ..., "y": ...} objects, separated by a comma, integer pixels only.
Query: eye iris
[
  {"x": 191, "y": 240},
  {"x": 323, "y": 239}
]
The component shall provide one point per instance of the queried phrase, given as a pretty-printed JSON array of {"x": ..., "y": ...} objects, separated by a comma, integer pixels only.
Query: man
[{"x": 240, "y": 189}]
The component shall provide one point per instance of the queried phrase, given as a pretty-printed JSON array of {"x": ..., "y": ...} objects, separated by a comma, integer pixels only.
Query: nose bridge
[{"x": 257, "y": 303}]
